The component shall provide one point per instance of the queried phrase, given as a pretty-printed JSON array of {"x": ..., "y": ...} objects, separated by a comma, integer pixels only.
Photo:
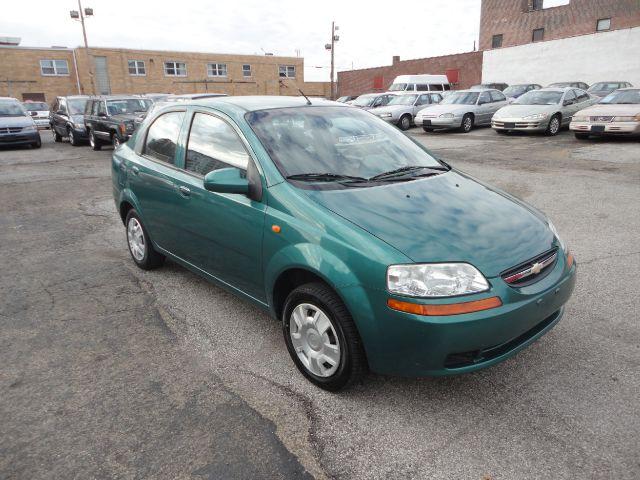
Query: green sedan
[{"x": 374, "y": 254}]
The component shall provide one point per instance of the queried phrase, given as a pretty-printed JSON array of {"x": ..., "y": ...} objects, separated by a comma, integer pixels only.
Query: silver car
[
  {"x": 546, "y": 110},
  {"x": 402, "y": 109},
  {"x": 462, "y": 109},
  {"x": 372, "y": 100}
]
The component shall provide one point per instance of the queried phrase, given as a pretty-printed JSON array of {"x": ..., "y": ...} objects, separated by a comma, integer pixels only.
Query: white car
[
  {"x": 39, "y": 111},
  {"x": 616, "y": 114},
  {"x": 402, "y": 108}
]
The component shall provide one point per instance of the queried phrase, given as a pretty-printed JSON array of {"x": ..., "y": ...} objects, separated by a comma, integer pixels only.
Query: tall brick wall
[
  {"x": 356, "y": 82},
  {"x": 515, "y": 20}
]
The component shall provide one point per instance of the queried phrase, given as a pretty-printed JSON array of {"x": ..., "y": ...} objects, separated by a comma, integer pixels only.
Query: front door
[{"x": 222, "y": 233}]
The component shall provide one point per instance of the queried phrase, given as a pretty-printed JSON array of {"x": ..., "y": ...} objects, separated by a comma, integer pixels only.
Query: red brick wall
[
  {"x": 514, "y": 20},
  {"x": 356, "y": 82}
]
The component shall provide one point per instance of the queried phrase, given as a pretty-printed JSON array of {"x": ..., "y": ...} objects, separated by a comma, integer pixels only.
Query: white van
[{"x": 420, "y": 83}]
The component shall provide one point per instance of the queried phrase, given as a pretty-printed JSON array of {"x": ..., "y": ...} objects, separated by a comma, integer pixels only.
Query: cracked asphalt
[{"x": 107, "y": 371}]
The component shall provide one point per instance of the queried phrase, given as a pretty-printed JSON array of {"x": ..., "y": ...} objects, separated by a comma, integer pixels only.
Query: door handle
[
  {"x": 184, "y": 191},
  {"x": 135, "y": 170}
]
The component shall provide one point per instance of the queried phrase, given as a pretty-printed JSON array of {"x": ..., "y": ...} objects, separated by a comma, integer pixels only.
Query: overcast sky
[{"x": 371, "y": 32}]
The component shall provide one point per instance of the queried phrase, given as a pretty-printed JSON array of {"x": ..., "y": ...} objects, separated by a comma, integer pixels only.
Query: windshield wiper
[
  {"x": 324, "y": 177},
  {"x": 405, "y": 170}
]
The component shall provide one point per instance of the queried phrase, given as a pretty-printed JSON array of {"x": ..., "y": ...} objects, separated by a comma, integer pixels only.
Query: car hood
[
  {"x": 446, "y": 218},
  {"x": 391, "y": 109},
  {"x": 519, "y": 111},
  {"x": 440, "y": 109},
  {"x": 121, "y": 117},
  {"x": 21, "y": 121},
  {"x": 611, "y": 109}
]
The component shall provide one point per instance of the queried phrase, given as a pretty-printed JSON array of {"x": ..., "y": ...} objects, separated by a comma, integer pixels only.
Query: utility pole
[
  {"x": 80, "y": 15},
  {"x": 331, "y": 46}
]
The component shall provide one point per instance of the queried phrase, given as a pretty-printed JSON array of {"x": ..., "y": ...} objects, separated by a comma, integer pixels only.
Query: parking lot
[{"x": 112, "y": 372}]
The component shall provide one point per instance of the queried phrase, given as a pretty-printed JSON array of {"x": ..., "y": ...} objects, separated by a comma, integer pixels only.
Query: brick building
[
  {"x": 505, "y": 23},
  {"x": 466, "y": 67},
  {"x": 43, "y": 73}
]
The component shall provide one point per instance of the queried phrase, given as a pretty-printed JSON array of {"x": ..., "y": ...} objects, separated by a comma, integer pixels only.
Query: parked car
[
  {"x": 462, "y": 109},
  {"x": 580, "y": 85},
  {"x": 490, "y": 86},
  {"x": 420, "y": 83},
  {"x": 545, "y": 110},
  {"x": 39, "y": 111},
  {"x": 192, "y": 96},
  {"x": 402, "y": 109},
  {"x": 346, "y": 98},
  {"x": 515, "y": 91},
  {"x": 111, "y": 119},
  {"x": 372, "y": 100},
  {"x": 157, "y": 97},
  {"x": 370, "y": 251},
  {"x": 602, "y": 89},
  {"x": 67, "y": 119},
  {"x": 616, "y": 114},
  {"x": 16, "y": 125}
]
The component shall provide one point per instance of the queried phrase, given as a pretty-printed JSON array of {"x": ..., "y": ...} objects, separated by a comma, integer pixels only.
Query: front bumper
[
  {"x": 606, "y": 128},
  {"x": 519, "y": 124},
  {"x": 390, "y": 119},
  {"x": 400, "y": 343},
  {"x": 438, "y": 122},
  {"x": 42, "y": 122},
  {"x": 20, "y": 138}
]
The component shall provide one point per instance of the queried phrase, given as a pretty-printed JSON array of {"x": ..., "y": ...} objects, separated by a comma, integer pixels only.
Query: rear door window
[
  {"x": 213, "y": 144},
  {"x": 162, "y": 137},
  {"x": 497, "y": 96}
]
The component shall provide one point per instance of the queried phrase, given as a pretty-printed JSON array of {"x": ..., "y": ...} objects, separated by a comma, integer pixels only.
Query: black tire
[
  {"x": 353, "y": 362},
  {"x": 37, "y": 144},
  {"x": 405, "y": 122},
  {"x": 427, "y": 129},
  {"x": 151, "y": 258},
  {"x": 555, "y": 124},
  {"x": 582, "y": 136},
  {"x": 94, "y": 142},
  {"x": 56, "y": 136},
  {"x": 73, "y": 140},
  {"x": 467, "y": 123},
  {"x": 501, "y": 132}
]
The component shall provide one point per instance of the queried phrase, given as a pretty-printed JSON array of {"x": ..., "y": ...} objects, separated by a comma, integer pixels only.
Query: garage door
[{"x": 102, "y": 76}]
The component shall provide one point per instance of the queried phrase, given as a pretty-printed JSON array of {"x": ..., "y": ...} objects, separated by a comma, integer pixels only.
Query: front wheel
[
  {"x": 73, "y": 140},
  {"x": 94, "y": 142},
  {"x": 554, "y": 126},
  {"x": 37, "y": 143},
  {"x": 56, "y": 136},
  {"x": 405, "y": 122},
  {"x": 467, "y": 123},
  {"x": 115, "y": 141},
  {"x": 140, "y": 247},
  {"x": 322, "y": 338}
]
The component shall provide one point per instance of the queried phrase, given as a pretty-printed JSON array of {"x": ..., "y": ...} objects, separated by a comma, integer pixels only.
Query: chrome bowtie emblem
[{"x": 535, "y": 268}]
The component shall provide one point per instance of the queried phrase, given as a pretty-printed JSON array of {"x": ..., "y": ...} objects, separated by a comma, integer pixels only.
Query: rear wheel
[
  {"x": 405, "y": 122},
  {"x": 467, "y": 123},
  {"x": 581, "y": 136},
  {"x": 140, "y": 246},
  {"x": 73, "y": 140},
  {"x": 322, "y": 338},
  {"x": 94, "y": 142},
  {"x": 554, "y": 126}
]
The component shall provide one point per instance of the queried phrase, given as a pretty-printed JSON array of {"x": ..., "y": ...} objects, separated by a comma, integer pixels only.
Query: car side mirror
[{"x": 226, "y": 180}]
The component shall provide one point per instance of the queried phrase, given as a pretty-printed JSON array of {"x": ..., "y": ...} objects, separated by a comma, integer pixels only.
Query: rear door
[
  {"x": 483, "y": 110},
  {"x": 421, "y": 102}
]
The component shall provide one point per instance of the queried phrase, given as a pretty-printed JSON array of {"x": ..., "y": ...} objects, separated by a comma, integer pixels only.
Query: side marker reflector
[{"x": 444, "y": 309}]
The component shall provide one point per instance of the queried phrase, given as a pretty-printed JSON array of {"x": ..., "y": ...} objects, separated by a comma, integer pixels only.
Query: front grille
[
  {"x": 601, "y": 119},
  {"x": 473, "y": 357},
  {"x": 499, "y": 124},
  {"x": 10, "y": 129},
  {"x": 532, "y": 270}
]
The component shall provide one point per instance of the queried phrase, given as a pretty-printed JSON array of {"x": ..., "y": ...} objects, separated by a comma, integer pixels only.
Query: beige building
[{"x": 43, "y": 73}]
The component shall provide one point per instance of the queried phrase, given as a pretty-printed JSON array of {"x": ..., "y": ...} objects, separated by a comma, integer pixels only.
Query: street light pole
[
  {"x": 80, "y": 15},
  {"x": 333, "y": 45}
]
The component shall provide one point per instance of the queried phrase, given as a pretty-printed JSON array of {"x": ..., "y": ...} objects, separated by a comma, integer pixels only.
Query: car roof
[
  {"x": 251, "y": 103},
  {"x": 476, "y": 90},
  {"x": 117, "y": 97},
  {"x": 557, "y": 89}
]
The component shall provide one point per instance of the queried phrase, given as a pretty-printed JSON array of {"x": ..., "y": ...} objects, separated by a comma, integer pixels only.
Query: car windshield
[
  {"x": 128, "y": 105},
  {"x": 540, "y": 97},
  {"x": 76, "y": 105},
  {"x": 11, "y": 109},
  {"x": 398, "y": 87},
  {"x": 515, "y": 90},
  {"x": 561, "y": 84},
  {"x": 596, "y": 87},
  {"x": 622, "y": 97},
  {"x": 403, "y": 100},
  {"x": 364, "y": 100},
  {"x": 460, "y": 98},
  {"x": 335, "y": 141},
  {"x": 35, "y": 106}
]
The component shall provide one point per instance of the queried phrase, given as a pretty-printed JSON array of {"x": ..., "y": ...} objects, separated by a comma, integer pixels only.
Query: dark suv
[
  {"x": 111, "y": 119},
  {"x": 66, "y": 118}
]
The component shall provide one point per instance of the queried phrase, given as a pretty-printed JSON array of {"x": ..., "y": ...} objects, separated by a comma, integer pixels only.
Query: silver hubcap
[
  {"x": 554, "y": 125},
  {"x": 405, "y": 123},
  {"x": 71, "y": 139},
  {"x": 314, "y": 340},
  {"x": 116, "y": 142},
  {"x": 467, "y": 124},
  {"x": 135, "y": 237},
  {"x": 92, "y": 140}
]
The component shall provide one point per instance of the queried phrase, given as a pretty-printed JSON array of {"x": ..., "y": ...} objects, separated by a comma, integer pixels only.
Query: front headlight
[
  {"x": 537, "y": 116},
  {"x": 435, "y": 280},
  {"x": 557, "y": 235},
  {"x": 446, "y": 115},
  {"x": 624, "y": 119},
  {"x": 385, "y": 115}
]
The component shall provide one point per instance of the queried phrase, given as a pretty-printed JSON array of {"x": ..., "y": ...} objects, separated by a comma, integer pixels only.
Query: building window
[
  {"x": 603, "y": 24},
  {"x": 217, "y": 69},
  {"x": 54, "y": 67},
  {"x": 246, "y": 70},
  {"x": 136, "y": 68},
  {"x": 287, "y": 71},
  {"x": 537, "y": 5},
  {"x": 175, "y": 69},
  {"x": 538, "y": 35},
  {"x": 496, "y": 41}
]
